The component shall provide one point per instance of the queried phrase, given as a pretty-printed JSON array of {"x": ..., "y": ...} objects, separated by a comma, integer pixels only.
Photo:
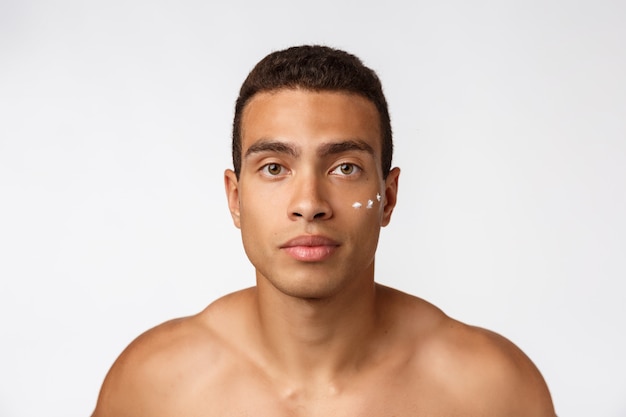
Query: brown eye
[
  {"x": 273, "y": 169},
  {"x": 346, "y": 169}
]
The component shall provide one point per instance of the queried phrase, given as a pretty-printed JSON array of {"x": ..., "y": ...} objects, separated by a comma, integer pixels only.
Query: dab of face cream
[
  {"x": 357, "y": 205},
  {"x": 378, "y": 197},
  {"x": 370, "y": 204}
]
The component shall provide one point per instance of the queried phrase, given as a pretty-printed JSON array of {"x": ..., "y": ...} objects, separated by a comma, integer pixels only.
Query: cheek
[
  {"x": 364, "y": 209},
  {"x": 369, "y": 202},
  {"x": 257, "y": 211}
]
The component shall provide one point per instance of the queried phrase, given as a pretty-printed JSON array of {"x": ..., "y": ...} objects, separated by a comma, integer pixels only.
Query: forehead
[{"x": 309, "y": 117}]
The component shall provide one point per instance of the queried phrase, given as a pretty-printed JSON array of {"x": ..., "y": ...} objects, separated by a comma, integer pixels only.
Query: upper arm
[
  {"x": 152, "y": 376},
  {"x": 126, "y": 388},
  {"x": 517, "y": 386}
]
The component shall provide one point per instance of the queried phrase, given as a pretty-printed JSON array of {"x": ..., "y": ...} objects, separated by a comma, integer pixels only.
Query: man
[{"x": 311, "y": 187}]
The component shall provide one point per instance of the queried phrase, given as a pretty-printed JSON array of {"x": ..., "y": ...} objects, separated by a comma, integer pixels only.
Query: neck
[{"x": 319, "y": 338}]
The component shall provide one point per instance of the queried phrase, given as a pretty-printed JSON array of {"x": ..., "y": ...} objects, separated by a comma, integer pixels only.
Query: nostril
[{"x": 318, "y": 215}]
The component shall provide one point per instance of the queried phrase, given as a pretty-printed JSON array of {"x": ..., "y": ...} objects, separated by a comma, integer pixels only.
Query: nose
[{"x": 309, "y": 199}]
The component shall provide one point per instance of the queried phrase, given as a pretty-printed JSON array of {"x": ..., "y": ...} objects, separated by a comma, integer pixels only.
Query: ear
[
  {"x": 391, "y": 195},
  {"x": 231, "y": 184}
]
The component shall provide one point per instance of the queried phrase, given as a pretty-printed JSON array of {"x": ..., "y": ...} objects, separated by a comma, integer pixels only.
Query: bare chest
[{"x": 384, "y": 396}]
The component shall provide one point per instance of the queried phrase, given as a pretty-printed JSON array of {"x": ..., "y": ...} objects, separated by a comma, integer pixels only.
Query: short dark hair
[{"x": 315, "y": 68}]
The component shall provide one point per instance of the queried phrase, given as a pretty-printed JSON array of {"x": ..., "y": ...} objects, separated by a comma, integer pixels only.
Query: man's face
[{"x": 311, "y": 198}]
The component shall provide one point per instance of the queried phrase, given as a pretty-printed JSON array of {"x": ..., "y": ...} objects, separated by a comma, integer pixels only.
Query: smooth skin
[{"x": 316, "y": 336}]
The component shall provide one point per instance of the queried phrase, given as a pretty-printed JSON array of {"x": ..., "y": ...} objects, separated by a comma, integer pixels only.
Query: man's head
[
  {"x": 315, "y": 68},
  {"x": 312, "y": 184}
]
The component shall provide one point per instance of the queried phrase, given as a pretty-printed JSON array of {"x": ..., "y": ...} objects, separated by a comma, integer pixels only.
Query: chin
[{"x": 309, "y": 288}]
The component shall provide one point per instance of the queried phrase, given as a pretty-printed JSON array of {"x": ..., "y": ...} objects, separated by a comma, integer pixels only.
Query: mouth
[{"x": 310, "y": 248}]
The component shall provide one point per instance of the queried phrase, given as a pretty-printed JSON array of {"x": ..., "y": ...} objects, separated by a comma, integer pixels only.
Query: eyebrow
[
  {"x": 326, "y": 149},
  {"x": 334, "y": 148},
  {"x": 267, "y": 145}
]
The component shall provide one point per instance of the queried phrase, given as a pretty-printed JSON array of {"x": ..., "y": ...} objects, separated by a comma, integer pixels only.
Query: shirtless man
[{"x": 316, "y": 337}]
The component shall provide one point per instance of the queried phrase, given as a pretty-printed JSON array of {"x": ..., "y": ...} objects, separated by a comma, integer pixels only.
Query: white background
[{"x": 115, "y": 116}]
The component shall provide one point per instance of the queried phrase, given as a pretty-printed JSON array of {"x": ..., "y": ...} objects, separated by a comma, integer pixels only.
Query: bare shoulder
[
  {"x": 481, "y": 368},
  {"x": 157, "y": 372},
  {"x": 493, "y": 372}
]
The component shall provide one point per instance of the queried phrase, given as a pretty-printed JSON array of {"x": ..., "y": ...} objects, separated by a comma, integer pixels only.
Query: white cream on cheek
[{"x": 370, "y": 203}]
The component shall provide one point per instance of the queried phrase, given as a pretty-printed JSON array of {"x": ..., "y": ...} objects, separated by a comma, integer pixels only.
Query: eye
[
  {"x": 346, "y": 169},
  {"x": 272, "y": 169}
]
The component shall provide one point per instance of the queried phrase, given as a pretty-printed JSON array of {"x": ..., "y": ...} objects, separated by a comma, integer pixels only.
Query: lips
[{"x": 310, "y": 248}]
